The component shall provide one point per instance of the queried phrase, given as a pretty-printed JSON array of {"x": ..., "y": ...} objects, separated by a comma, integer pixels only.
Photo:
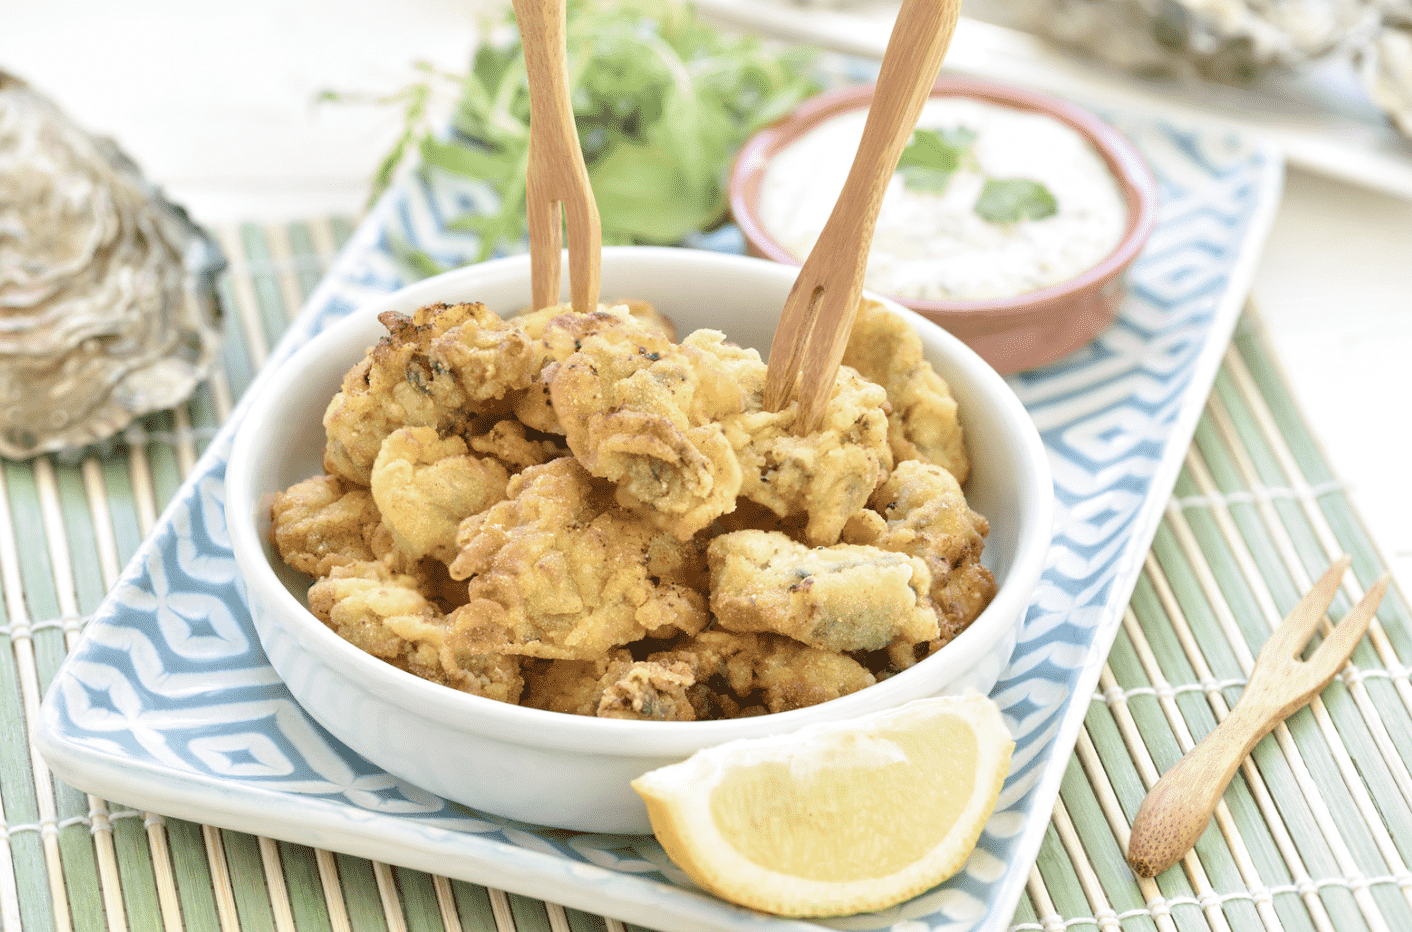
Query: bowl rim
[
  {"x": 542, "y": 728},
  {"x": 1135, "y": 179}
]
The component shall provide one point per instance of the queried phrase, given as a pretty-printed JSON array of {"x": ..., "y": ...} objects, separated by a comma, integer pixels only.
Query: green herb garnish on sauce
[
  {"x": 1009, "y": 200},
  {"x": 933, "y": 156}
]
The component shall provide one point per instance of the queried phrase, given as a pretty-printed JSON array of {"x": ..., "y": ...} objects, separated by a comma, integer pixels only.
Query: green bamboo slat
[
  {"x": 306, "y": 895},
  {"x": 247, "y": 881},
  {"x": 235, "y": 358},
  {"x": 1144, "y": 706},
  {"x": 122, "y": 514},
  {"x": 1235, "y": 588},
  {"x": 161, "y": 457},
  {"x": 360, "y": 893},
  {"x": 1056, "y": 867},
  {"x": 342, "y": 230},
  {"x": 1268, "y": 472},
  {"x": 1025, "y": 918},
  {"x": 195, "y": 886},
  {"x": 473, "y": 906},
  {"x": 307, "y": 260},
  {"x": 417, "y": 894},
  {"x": 136, "y": 868},
  {"x": 264, "y": 281},
  {"x": 580, "y": 921},
  {"x": 1101, "y": 849},
  {"x": 201, "y": 410},
  {"x": 1249, "y": 342},
  {"x": 89, "y": 586},
  {"x": 17, "y": 789},
  {"x": 530, "y": 914}
]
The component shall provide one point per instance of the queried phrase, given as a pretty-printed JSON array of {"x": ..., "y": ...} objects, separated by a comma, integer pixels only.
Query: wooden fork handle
[
  {"x": 1178, "y": 807},
  {"x": 830, "y": 281},
  {"x": 557, "y": 177}
]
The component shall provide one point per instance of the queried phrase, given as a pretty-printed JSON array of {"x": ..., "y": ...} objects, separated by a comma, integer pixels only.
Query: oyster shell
[
  {"x": 107, "y": 298},
  {"x": 1231, "y": 41},
  {"x": 1386, "y": 69}
]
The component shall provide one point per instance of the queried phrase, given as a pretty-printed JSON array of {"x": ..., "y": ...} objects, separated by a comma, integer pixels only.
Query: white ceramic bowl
[{"x": 572, "y": 771}]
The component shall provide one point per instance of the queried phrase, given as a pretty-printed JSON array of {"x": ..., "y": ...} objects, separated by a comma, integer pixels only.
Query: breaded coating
[
  {"x": 927, "y": 517},
  {"x": 644, "y": 413},
  {"x": 511, "y": 443},
  {"x": 396, "y": 384},
  {"x": 383, "y": 613},
  {"x": 743, "y": 674},
  {"x": 323, "y": 522},
  {"x": 424, "y": 486},
  {"x": 923, "y": 424},
  {"x": 614, "y": 686},
  {"x": 650, "y": 691},
  {"x": 828, "y": 474},
  {"x": 642, "y": 312},
  {"x": 838, "y": 598},
  {"x": 573, "y": 687},
  {"x": 557, "y": 571},
  {"x": 560, "y": 331},
  {"x": 488, "y": 357}
]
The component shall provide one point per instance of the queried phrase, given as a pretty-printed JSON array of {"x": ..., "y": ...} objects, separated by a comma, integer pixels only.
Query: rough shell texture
[
  {"x": 107, "y": 307},
  {"x": 1230, "y": 41},
  {"x": 1386, "y": 68}
]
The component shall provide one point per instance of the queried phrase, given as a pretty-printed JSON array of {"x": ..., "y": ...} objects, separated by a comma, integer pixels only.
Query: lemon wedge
[{"x": 836, "y": 818}]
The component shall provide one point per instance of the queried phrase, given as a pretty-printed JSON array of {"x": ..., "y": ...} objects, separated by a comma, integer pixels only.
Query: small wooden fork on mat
[
  {"x": 1177, "y": 808},
  {"x": 557, "y": 178}
]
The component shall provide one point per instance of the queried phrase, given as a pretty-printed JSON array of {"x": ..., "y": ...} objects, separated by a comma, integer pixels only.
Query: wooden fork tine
[
  {"x": 790, "y": 339},
  {"x": 585, "y": 248},
  {"x": 1291, "y": 636},
  {"x": 825, "y": 351},
  {"x": 556, "y": 181},
  {"x": 1336, "y": 648},
  {"x": 821, "y": 306},
  {"x": 543, "y": 223}
]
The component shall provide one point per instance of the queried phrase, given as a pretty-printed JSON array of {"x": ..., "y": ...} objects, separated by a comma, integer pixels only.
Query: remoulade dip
[{"x": 935, "y": 247}]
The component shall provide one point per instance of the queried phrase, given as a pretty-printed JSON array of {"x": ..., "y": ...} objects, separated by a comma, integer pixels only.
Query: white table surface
[{"x": 216, "y": 103}]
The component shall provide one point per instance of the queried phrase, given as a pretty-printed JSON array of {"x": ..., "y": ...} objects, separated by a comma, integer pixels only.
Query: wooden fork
[
  {"x": 1175, "y": 811},
  {"x": 556, "y": 182},
  {"x": 818, "y": 314}
]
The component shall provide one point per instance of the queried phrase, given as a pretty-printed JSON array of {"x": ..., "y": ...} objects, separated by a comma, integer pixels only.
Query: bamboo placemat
[{"x": 1315, "y": 833}]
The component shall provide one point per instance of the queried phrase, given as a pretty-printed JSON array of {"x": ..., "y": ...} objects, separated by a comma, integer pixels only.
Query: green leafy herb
[
  {"x": 662, "y": 102},
  {"x": 1009, "y": 200},
  {"x": 933, "y": 156}
]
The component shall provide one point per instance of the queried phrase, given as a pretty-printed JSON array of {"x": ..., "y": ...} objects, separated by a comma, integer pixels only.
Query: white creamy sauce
[{"x": 934, "y": 246}]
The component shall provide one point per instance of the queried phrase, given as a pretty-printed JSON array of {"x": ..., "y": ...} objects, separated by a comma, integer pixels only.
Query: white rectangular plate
[{"x": 167, "y": 704}]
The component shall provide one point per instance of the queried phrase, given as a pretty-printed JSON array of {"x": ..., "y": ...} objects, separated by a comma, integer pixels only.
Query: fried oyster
[
  {"x": 924, "y": 422},
  {"x": 557, "y": 571},
  {"x": 575, "y": 512}
]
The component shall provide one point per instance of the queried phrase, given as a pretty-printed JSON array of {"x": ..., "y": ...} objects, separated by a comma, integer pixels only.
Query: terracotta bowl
[{"x": 1014, "y": 333}]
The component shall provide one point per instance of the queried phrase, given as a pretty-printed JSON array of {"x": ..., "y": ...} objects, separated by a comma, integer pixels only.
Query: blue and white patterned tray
[{"x": 168, "y": 704}]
